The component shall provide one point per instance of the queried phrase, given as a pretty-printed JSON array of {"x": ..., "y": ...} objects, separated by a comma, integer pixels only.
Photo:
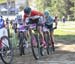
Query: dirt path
[{"x": 65, "y": 54}]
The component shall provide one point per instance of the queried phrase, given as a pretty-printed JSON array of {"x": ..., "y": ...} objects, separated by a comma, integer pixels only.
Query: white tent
[
  {"x": 12, "y": 9},
  {"x": 3, "y": 9}
]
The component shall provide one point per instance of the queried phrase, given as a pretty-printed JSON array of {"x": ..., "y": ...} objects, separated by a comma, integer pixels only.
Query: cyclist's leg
[
  {"x": 52, "y": 40},
  {"x": 26, "y": 38},
  {"x": 25, "y": 34},
  {"x": 51, "y": 36},
  {"x": 42, "y": 36},
  {"x": 26, "y": 31},
  {"x": 45, "y": 31}
]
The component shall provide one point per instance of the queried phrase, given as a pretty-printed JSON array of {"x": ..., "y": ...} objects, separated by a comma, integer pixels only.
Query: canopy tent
[
  {"x": 3, "y": 9},
  {"x": 13, "y": 9}
]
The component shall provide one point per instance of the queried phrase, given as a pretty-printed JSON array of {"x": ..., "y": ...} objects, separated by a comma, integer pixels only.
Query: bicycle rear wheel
[{"x": 6, "y": 50}]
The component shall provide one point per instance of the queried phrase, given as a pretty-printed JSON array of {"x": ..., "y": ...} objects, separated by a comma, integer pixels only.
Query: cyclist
[
  {"x": 28, "y": 12},
  {"x": 49, "y": 24},
  {"x": 20, "y": 27},
  {"x": 3, "y": 30}
]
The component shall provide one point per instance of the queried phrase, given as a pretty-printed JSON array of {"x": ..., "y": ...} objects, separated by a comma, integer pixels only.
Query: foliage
[
  {"x": 61, "y": 7},
  {"x": 2, "y": 1},
  {"x": 21, "y": 7}
]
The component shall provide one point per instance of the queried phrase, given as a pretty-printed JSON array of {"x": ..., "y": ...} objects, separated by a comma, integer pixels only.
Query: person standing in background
[
  {"x": 7, "y": 26},
  {"x": 63, "y": 19}
]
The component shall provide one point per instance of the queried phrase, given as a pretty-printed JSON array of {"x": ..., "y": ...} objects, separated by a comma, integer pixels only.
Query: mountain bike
[
  {"x": 36, "y": 44},
  {"x": 22, "y": 40}
]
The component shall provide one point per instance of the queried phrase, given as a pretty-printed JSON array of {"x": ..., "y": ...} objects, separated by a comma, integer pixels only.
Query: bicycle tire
[
  {"x": 21, "y": 48},
  {"x": 36, "y": 55},
  {"x": 10, "y": 48},
  {"x": 21, "y": 43},
  {"x": 41, "y": 48}
]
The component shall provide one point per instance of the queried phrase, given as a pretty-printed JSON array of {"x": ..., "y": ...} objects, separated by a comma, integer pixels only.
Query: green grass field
[{"x": 64, "y": 32}]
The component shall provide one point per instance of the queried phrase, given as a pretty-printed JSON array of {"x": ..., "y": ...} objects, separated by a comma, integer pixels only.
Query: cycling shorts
[{"x": 50, "y": 27}]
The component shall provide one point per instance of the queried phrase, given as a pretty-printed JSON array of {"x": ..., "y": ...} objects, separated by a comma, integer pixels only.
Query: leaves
[
  {"x": 2, "y": 1},
  {"x": 60, "y": 7}
]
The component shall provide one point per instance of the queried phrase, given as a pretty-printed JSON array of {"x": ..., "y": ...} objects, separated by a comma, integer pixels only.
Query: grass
[{"x": 65, "y": 31}]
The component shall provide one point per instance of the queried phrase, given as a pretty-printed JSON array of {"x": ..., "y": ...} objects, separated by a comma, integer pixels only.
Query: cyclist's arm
[
  {"x": 24, "y": 19},
  {"x": 34, "y": 17},
  {"x": 56, "y": 24}
]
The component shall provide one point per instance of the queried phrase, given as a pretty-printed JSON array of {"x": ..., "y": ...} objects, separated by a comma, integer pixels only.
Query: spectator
[{"x": 63, "y": 19}]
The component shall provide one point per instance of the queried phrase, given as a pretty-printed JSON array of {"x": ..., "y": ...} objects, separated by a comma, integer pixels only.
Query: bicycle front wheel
[
  {"x": 6, "y": 50},
  {"x": 35, "y": 46}
]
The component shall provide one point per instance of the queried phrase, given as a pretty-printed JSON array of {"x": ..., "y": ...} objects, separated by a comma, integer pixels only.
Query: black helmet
[{"x": 27, "y": 10}]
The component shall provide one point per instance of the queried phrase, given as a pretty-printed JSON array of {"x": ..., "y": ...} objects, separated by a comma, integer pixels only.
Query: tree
[
  {"x": 60, "y": 7},
  {"x": 21, "y": 7}
]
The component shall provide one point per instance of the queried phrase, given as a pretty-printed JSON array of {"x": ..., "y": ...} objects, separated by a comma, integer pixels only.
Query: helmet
[
  {"x": 27, "y": 10},
  {"x": 46, "y": 13}
]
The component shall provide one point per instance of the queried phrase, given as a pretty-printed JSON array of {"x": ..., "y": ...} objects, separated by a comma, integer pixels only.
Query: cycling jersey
[
  {"x": 49, "y": 23},
  {"x": 49, "y": 20},
  {"x": 33, "y": 13}
]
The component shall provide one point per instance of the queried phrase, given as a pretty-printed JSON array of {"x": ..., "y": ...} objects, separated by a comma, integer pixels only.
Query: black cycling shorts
[
  {"x": 50, "y": 27},
  {"x": 33, "y": 21}
]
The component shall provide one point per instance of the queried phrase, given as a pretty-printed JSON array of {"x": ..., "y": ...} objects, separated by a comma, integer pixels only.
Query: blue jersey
[
  {"x": 1, "y": 23},
  {"x": 49, "y": 20}
]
